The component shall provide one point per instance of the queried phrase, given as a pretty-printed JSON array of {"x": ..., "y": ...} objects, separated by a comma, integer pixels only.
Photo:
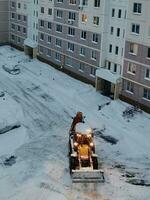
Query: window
[
  {"x": 24, "y": 30},
  {"x": 84, "y": 18},
  {"x": 96, "y": 3},
  {"x": 19, "y": 5},
  {"x": 83, "y": 35},
  {"x": 18, "y": 39},
  {"x": 147, "y": 73},
  {"x": 111, "y": 30},
  {"x": 70, "y": 46},
  {"x": 82, "y": 67},
  {"x": 131, "y": 68},
  {"x": 41, "y": 36},
  {"x": 12, "y": 37},
  {"x": 109, "y": 65},
  {"x": 93, "y": 56},
  {"x": 119, "y": 13},
  {"x": 58, "y": 42},
  {"x": 49, "y": 53},
  {"x": 13, "y": 4},
  {"x": 58, "y": 28},
  {"x": 49, "y": 11},
  {"x": 41, "y": 49},
  {"x": 110, "y": 48},
  {"x": 69, "y": 62},
  {"x": 25, "y": 6},
  {"x": 72, "y": 15},
  {"x": 96, "y": 20},
  {"x": 113, "y": 12},
  {"x": 133, "y": 48},
  {"x": 95, "y": 38},
  {"x": 13, "y": 26},
  {"x": 118, "y": 32},
  {"x": 72, "y": 2},
  {"x": 49, "y": 39},
  {"x": 117, "y": 50},
  {"x": 93, "y": 71},
  {"x": 49, "y": 25},
  {"x": 146, "y": 93},
  {"x": 137, "y": 8},
  {"x": 136, "y": 28},
  {"x": 71, "y": 31},
  {"x": 59, "y": 1},
  {"x": 42, "y": 10},
  {"x": 42, "y": 23},
  {"x": 59, "y": 14},
  {"x": 115, "y": 67},
  {"x": 130, "y": 87},
  {"x": 82, "y": 51},
  {"x": 13, "y": 15},
  {"x": 24, "y": 18},
  {"x": 84, "y": 2},
  {"x": 19, "y": 17},
  {"x": 148, "y": 53},
  {"x": 18, "y": 28},
  {"x": 58, "y": 56},
  {"x": 33, "y": 37}
]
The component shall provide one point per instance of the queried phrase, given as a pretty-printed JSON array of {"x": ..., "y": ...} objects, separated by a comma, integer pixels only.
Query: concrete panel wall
[{"x": 4, "y": 16}]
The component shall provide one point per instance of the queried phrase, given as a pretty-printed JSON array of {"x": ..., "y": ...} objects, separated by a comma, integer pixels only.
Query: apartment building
[
  {"x": 66, "y": 33},
  {"x": 136, "y": 71},
  {"x": 4, "y": 14},
  {"x": 70, "y": 35},
  {"x": 107, "y": 42},
  {"x": 18, "y": 23}
]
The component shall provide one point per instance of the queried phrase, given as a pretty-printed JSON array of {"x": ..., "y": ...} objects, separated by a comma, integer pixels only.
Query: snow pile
[{"x": 12, "y": 132}]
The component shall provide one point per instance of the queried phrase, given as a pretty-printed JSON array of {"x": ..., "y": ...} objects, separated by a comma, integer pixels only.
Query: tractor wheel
[
  {"x": 95, "y": 163},
  {"x": 93, "y": 149},
  {"x": 72, "y": 164},
  {"x": 69, "y": 148}
]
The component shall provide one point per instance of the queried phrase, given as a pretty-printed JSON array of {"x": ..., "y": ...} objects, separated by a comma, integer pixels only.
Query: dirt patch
[
  {"x": 107, "y": 138},
  {"x": 10, "y": 161}
]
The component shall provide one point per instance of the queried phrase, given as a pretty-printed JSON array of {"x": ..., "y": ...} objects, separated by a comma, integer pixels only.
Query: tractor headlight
[
  {"x": 78, "y": 135},
  {"x": 89, "y": 135},
  {"x": 75, "y": 144},
  {"x": 91, "y": 144}
]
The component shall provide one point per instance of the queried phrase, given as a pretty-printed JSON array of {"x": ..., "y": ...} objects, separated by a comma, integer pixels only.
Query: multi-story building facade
[
  {"x": 18, "y": 22},
  {"x": 108, "y": 78},
  {"x": 65, "y": 32},
  {"x": 136, "y": 71},
  {"x": 4, "y": 15},
  {"x": 70, "y": 35},
  {"x": 94, "y": 40}
]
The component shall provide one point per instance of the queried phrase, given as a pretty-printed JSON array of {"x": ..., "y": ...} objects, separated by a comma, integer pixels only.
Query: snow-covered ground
[{"x": 42, "y": 100}]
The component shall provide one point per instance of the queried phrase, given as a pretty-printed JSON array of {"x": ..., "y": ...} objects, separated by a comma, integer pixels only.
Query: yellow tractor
[{"x": 83, "y": 162}]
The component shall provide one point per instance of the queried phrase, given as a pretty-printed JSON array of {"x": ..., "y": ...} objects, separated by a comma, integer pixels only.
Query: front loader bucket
[{"x": 91, "y": 176}]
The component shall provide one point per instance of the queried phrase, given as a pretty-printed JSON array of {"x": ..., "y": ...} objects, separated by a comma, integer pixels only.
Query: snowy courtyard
[{"x": 37, "y": 103}]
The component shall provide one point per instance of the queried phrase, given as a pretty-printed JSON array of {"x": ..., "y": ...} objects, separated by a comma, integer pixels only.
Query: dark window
[{"x": 119, "y": 13}]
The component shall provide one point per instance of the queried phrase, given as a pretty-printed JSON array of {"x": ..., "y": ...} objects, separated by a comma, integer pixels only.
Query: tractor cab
[{"x": 83, "y": 136}]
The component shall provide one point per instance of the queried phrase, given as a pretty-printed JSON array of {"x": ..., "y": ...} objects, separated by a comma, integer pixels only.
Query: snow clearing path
[{"x": 46, "y": 100}]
